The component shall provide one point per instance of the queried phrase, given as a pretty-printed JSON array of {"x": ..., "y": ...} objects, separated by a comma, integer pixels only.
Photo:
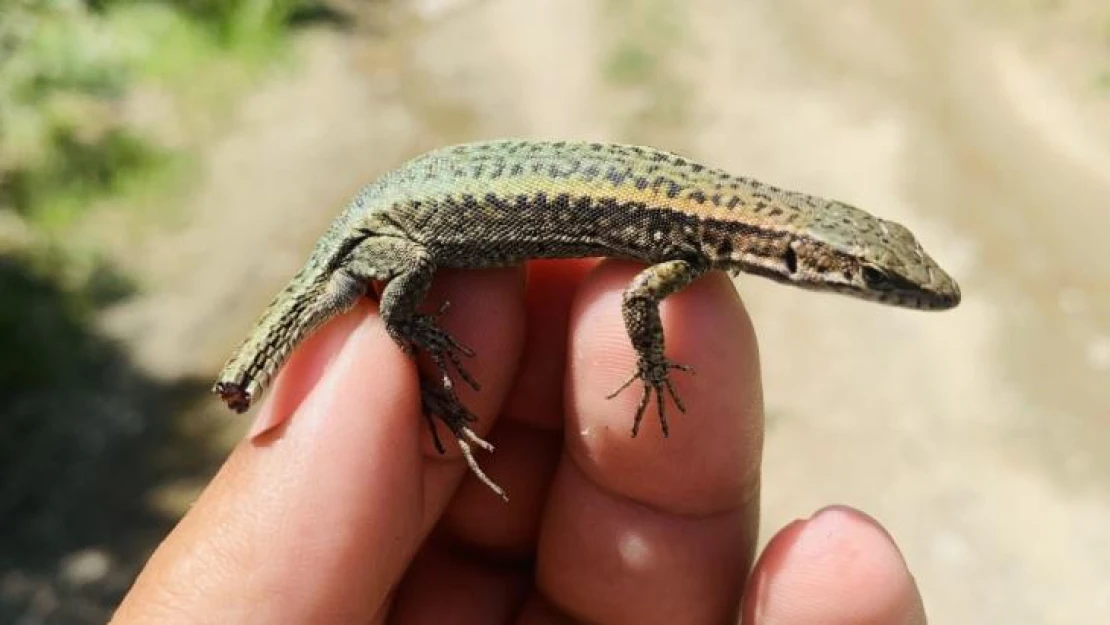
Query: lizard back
[{"x": 499, "y": 203}]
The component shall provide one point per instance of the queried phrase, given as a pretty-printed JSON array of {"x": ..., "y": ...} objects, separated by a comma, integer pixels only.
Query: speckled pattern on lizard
[{"x": 501, "y": 203}]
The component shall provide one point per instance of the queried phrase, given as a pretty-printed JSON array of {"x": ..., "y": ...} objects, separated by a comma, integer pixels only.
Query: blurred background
[{"x": 166, "y": 166}]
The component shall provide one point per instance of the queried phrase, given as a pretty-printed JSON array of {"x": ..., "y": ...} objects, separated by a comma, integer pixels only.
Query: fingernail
[{"x": 264, "y": 421}]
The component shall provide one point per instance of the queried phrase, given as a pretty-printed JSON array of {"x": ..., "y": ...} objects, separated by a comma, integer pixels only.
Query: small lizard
[{"x": 500, "y": 203}]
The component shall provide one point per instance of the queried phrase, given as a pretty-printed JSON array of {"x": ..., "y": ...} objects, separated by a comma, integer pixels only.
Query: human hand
[{"x": 342, "y": 512}]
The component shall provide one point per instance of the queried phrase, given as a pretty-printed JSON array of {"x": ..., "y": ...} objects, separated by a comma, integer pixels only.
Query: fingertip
[
  {"x": 838, "y": 567},
  {"x": 606, "y": 559},
  {"x": 650, "y": 529},
  {"x": 335, "y": 490},
  {"x": 710, "y": 460}
]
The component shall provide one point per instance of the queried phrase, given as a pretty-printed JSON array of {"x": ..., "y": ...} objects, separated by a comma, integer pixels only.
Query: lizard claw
[
  {"x": 441, "y": 401},
  {"x": 423, "y": 332},
  {"x": 657, "y": 379},
  {"x": 444, "y": 406}
]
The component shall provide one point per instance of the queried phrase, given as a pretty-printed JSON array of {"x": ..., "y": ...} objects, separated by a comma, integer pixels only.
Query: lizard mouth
[{"x": 233, "y": 395}]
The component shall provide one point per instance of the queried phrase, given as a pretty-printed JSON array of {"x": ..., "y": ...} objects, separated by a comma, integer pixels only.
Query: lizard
[{"x": 502, "y": 202}]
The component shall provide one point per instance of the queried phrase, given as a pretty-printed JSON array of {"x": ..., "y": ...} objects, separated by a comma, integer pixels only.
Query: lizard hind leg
[
  {"x": 456, "y": 417},
  {"x": 415, "y": 331},
  {"x": 408, "y": 269}
]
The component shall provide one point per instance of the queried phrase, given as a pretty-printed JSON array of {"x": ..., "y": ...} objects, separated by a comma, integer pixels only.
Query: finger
[
  {"x": 447, "y": 585},
  {"x": 839, "y": 567},
  {"x": 654, "y": 530},
  {"x": 537, "y": 394},
  {"x": 479, "y": 565},
  {"x": 341, "y": 490},
  {"x": 487, "y": 315},
  {"x": 316, "y": 495},
  {"x": 528, "y": 433}
]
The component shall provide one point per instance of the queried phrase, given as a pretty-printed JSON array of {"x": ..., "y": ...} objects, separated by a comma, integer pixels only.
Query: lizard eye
[{"x": 876, "y": 279}]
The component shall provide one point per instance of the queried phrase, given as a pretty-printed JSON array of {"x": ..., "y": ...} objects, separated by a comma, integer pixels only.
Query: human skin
[{"x": 338, "y": 509}]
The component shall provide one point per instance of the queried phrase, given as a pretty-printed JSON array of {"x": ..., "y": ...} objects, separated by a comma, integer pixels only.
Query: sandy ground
[{"x": 978, "y": 436}]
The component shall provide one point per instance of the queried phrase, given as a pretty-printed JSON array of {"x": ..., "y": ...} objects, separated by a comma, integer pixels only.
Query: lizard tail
[{"x": 297, "y": 311}]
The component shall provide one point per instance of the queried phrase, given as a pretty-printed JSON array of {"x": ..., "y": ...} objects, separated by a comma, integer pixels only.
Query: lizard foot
[
  {"x": 656, "y": 376},
  {"x": 423, "y": 332},
  {"x": 442, "y": 404}
]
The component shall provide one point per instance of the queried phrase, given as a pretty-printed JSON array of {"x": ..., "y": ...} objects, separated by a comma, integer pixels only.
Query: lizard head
[{"x": 851, "y": 251}]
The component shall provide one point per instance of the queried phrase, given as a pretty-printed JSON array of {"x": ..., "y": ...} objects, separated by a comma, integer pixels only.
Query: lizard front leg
[
  {"x": 640, "y": 309},
  {"x": 409, "y": 271}
]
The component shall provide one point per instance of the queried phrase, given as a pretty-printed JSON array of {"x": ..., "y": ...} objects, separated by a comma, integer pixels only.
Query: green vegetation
[
  {"x": 68, "y": 69},
  {"x": 95, "y": 96},
  {"x": 647, "y": 36},
  {"x": 1103, "y": 78},
  {"x": 79, "y": 134},
  {"x": 101, "y": 104},
  {"x": 645, "y": 33}
]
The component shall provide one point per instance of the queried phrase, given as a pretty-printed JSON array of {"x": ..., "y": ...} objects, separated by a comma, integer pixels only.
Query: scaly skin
[{"x": 501, "y": 203}]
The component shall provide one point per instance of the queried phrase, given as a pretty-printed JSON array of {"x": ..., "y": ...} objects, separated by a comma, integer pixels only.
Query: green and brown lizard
[{"x": 500, "y": 203}]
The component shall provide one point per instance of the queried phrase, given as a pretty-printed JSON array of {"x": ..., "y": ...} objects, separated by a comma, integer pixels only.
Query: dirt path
[
  {"x": 966, "y": 433},
  {"x": 978, "y": 437}
]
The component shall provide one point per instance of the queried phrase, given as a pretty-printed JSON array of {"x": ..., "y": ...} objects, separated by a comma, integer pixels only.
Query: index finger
[
  {"x": 317, "y": 519},
  {"x": 649, "y": 529}
]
